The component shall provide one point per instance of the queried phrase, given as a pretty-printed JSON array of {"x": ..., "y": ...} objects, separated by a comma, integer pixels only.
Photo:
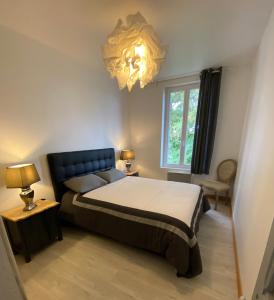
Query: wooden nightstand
[
  {"x": 132, "y": 173},
  {"x": 30, "y": 231}
]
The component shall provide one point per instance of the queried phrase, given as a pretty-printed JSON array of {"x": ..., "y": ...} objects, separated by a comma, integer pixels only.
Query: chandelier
[{"x": 133, "y": 52}]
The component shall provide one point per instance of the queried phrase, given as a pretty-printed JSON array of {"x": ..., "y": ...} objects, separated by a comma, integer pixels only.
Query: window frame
[{"x": 186, "y": 87}]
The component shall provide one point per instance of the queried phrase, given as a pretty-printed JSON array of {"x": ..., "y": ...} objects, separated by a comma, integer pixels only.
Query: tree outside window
[{"x": 180, "y": 111}]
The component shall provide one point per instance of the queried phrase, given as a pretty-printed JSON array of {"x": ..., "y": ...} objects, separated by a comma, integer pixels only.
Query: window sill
[{"x": 177, "y": 170}]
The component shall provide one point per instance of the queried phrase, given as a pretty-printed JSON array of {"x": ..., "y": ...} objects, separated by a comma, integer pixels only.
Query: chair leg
[
  {"x": 226, "y": 197},
  {"x": 216, "y": 200}
]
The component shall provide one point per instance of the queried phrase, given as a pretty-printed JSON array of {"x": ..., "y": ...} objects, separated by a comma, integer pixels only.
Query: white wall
[
  {"x": 145, "y": 115},
  {"x": 55, "y": 94},
  {"x": 10, "y": 282},
  {"x": 254, "y": 205},
  {"x": 145, "y": 123}
]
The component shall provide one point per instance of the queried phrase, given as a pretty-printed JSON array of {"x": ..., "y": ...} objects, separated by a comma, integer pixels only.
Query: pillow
[
  {"x": 85, "y": 183},
  {"x": 111, "y": 175}
]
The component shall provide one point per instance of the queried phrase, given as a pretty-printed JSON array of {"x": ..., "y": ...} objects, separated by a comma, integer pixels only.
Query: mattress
[
  {"x": 156, "y": 215},
  {"x": 175, "y": 199}
]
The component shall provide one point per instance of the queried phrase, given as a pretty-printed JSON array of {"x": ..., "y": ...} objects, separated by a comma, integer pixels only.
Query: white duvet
[{"x": 174, "y": 199}]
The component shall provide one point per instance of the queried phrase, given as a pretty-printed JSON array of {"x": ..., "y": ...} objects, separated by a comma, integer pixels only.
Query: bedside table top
[
  {"x": 17, "y": 214},
  {"x": 131, "y": 173}
]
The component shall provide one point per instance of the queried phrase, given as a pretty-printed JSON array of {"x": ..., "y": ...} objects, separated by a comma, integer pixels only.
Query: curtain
[{"x": 206, "y": 120}]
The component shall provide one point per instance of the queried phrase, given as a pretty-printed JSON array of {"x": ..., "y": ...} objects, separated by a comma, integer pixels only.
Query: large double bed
[{"x": 156, "y": 215}]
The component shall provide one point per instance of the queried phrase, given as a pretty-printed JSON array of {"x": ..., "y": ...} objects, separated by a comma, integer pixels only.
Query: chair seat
[{"x": 215, "y": 185}]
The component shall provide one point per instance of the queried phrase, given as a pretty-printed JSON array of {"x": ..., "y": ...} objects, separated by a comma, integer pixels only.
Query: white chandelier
[{"x": 133, "y": 52}]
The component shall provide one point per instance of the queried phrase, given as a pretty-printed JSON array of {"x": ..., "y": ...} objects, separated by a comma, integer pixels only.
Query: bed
[{"x": 156, "y": 215}]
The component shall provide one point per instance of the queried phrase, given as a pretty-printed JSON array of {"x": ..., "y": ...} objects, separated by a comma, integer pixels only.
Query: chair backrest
[{"x": 226, "y": 170}]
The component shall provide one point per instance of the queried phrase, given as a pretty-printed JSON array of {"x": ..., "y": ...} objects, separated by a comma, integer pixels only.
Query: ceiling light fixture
[{"x": 133, "y": 52}]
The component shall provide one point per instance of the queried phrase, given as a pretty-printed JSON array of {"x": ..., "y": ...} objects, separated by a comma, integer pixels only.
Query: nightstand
[
  {"x": 29, "y": 231},
  {"x": 132, "y": 173}
]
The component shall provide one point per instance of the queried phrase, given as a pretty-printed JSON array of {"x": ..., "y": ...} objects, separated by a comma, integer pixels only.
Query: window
[{"x": 179, "y": 117}]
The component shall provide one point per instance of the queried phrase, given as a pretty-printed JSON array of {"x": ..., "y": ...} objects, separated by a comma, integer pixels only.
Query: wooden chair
[{"x": 226, "y": 173}]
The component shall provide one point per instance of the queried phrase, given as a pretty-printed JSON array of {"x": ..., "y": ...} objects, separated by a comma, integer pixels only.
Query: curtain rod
[
  {"x": 177, "y": 76},
  {"x": 186, "y": 75}
]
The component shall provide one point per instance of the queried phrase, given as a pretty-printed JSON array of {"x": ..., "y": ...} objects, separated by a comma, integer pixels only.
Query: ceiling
[
  {"x": 202, "y": 33},
  {"x": 198, "y": 33}
]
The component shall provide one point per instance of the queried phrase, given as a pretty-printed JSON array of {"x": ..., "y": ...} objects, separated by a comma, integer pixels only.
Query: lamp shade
[
  {"x": 21, "y": 176},
  {"x": 127, "y": 155},
  {"x": 133, "y": 52}
]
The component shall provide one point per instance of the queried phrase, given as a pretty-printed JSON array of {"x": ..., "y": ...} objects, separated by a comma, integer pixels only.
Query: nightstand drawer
[
  {"x": 32, "y": 233},
  {"x": 36, "y": 232}
]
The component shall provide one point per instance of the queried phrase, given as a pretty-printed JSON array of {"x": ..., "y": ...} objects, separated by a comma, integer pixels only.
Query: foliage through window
[{"x": 179, "y": 117}]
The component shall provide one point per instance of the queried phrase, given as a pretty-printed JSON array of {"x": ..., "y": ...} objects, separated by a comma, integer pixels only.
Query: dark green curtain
[{"x": 206, "y": 120}]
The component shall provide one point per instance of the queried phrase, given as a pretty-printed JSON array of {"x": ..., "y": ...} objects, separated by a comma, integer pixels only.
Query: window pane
[
  {"x": 176, "y": 106},
  {"x": 191, "y": 119}
]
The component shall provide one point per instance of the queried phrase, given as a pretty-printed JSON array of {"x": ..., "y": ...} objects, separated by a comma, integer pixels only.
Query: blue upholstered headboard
[{"x": 65, "y": 165}]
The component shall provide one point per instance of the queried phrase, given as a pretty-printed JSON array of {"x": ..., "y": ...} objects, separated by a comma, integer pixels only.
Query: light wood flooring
[{"x": 86, "y": 266}]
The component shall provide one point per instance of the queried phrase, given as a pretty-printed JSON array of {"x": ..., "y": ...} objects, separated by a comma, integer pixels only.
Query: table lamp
[
  {"x": 22, "y": 176},
  {"x": 128, "y": 156}
]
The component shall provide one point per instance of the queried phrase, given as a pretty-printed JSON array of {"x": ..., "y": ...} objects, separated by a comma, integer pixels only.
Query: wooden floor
[{"x": 86, "y": 266}]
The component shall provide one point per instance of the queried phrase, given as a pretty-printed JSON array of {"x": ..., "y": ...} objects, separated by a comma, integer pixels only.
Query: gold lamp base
[{"x": 27, "y": 196}]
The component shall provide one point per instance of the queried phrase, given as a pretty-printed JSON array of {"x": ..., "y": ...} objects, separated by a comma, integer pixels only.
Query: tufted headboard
[{"x": 65, "y": 165}]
